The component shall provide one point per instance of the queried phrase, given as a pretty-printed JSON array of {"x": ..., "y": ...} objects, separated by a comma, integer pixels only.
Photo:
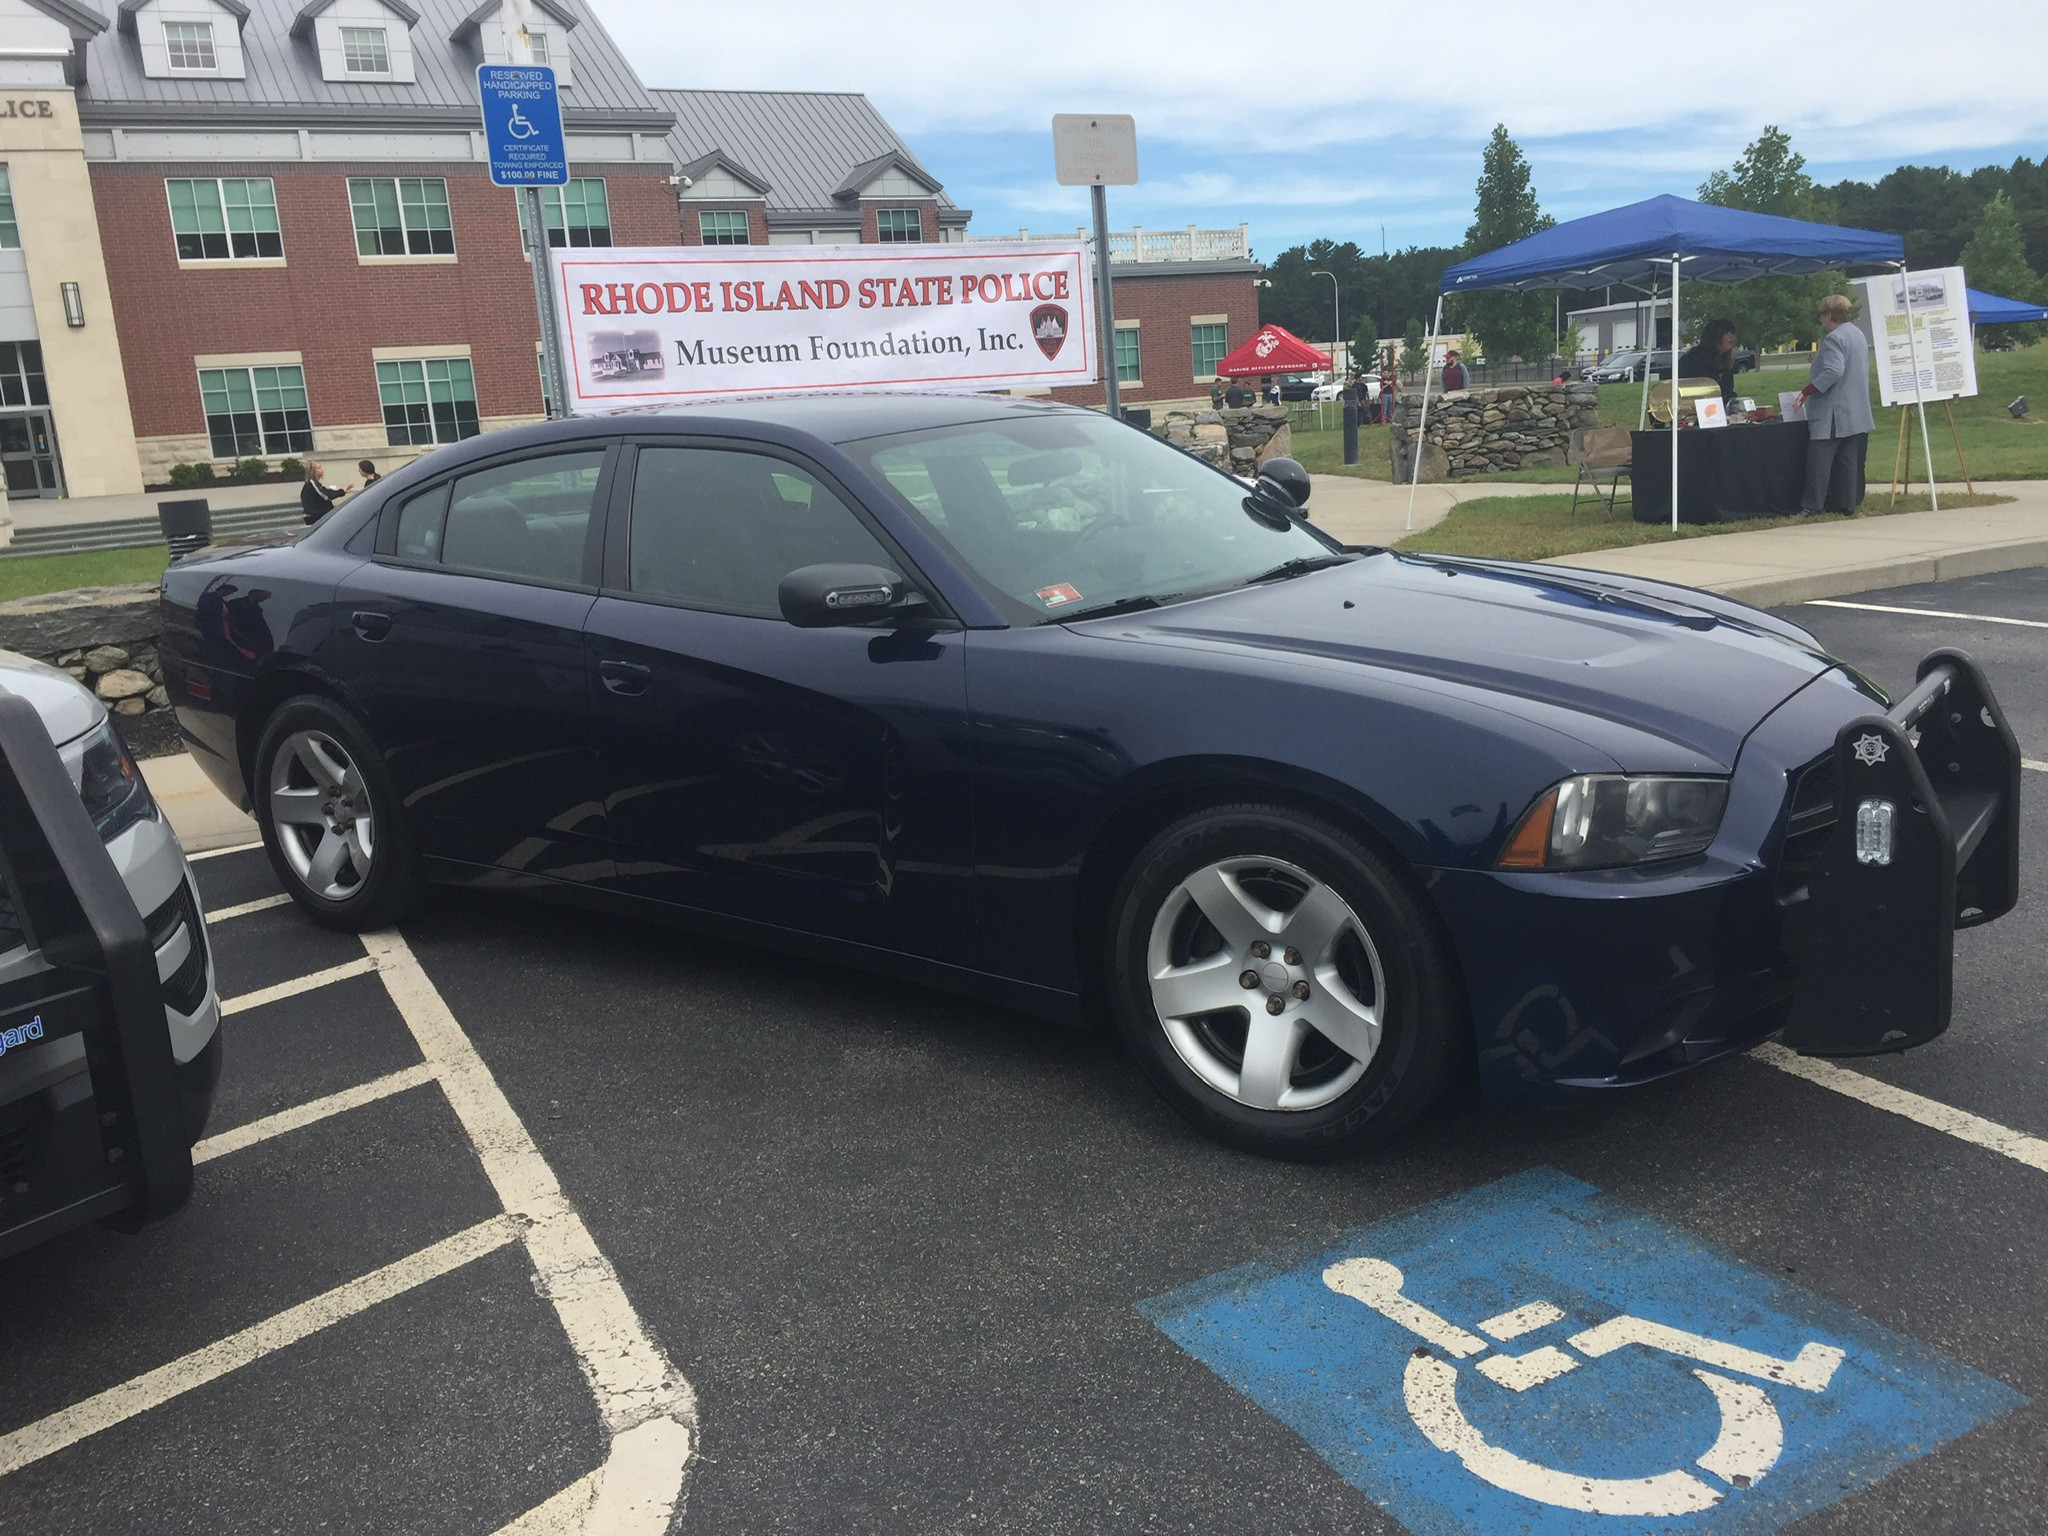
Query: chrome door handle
[{"x": 625, "y": 677}]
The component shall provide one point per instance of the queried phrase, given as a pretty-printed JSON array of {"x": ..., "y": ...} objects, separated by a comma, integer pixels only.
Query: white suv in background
[{"x": 146, "y": 854}]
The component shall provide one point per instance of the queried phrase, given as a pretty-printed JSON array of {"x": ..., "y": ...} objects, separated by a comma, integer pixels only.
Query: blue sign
[
  {"x": 1535, "y": 1357},
  {"x": 523, "y": 125}
]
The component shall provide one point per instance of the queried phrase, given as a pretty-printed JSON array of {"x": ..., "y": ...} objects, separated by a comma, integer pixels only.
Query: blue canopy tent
[
  {"x": 1990, "y": 309},
  {"x": 1635, "y": 245}
]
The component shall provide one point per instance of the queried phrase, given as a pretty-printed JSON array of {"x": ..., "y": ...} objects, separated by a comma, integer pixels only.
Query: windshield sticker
[{"x": 1059, "y": 596}]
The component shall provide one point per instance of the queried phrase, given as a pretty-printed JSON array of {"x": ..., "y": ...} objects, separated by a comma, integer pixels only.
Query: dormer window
[
  {"x": 189, "y": 45},
  {"x": 364, "y": 51},
  {"x": 537, "y": 43}
]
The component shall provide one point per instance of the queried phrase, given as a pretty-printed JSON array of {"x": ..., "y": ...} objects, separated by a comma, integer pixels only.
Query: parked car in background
[
  {"x": 1299, "y": 386},
  {"x": 1333, "y": 389},
  {"x": 1627, "y": 367}
]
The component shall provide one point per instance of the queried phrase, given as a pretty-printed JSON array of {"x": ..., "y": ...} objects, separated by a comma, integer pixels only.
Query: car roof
[{"x": 846, "y": 418}]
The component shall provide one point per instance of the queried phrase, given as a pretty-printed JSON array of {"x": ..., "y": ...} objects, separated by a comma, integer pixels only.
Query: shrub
[
  {"x": 184, "y": 474},
  {"x": 296, "y": 468},
  {"x": 202, "y": 471},
  {"x": 250, "y": 469}
]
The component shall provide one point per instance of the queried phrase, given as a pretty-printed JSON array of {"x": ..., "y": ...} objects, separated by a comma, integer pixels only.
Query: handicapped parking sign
[
  {"x": 522, "y": 125},
  {"x": 1535, "y": 1356}
]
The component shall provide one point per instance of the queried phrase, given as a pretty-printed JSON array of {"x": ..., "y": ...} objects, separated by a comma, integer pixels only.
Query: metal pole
[
  {"x": 1643, "y": 409},
  {"x": 553, "y": 380},
  {"x": 1336, "y": 315},
  {"x": 1674, "y": 390},
  {"x": 1415, "y": 460},
  {"x": 1105, "y": 305},
  {"x": 1913, "y": 349}
]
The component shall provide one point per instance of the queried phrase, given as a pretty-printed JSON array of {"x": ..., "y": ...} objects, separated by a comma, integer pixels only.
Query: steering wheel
[{"x": 1062, "y": 564}]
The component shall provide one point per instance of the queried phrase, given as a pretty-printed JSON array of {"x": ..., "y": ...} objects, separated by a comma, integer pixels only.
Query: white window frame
[
  {"x": 1134, "y": 330},
  {"x": 704, "y": 233},
  {"x": 882, "y": 239},
  {"x": 203, "y": 33},
  {"x": 405, "y": 228},
  {"x": 352, "y": 33}
]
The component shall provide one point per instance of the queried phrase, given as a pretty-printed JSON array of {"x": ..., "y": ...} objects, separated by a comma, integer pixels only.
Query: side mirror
[{"x": 826, "y": 596}]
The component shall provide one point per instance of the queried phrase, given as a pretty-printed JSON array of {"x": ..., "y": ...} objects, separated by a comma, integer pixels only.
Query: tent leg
[
  {"x": 1674, "y": 391},
  {"x": 1415, "y": 456},
  {"x": 1643, "y": 409}
]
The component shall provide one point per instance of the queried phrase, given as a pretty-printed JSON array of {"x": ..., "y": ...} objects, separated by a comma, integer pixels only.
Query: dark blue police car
[{"x": 1010, "y": 698}]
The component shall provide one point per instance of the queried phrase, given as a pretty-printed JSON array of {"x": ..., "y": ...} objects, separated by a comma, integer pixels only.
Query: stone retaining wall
[
  {"x": 1239, "y": 440},
  {"x": 106, "y": 637},
  {"x": 1485, "y": 431}
]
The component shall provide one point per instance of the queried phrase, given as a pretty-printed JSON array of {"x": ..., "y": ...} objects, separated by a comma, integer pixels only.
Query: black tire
[
  {"x": 357, "y": 901},
  {"x": 1424, "y": 1032}
]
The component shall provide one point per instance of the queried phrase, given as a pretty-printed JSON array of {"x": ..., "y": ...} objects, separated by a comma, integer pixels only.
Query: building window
[
  {"x": 537, "y": 44},
  {"x": 10, "y": 232},
  {"x": 189, "y": 45},
  {"x": 251, "y": 412},
  {"x": 21, "y": 374},
  {"x": 1210, "y": 343},
  {"x": 899, "y": 226},
  {"x": 364, "y": 51},
  {"x": 429, "y": 401},
  {"x": 234, "y": 218},
  {"x": 577, "y": 214},
  {"x": 722, "y": 228},
  {"x": 401, "y": 216},
  {"x": 1127, "y": 369}
]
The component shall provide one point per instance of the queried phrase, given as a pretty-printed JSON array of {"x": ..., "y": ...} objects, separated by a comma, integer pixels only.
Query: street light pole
[{"x": 1336, "y": 314}]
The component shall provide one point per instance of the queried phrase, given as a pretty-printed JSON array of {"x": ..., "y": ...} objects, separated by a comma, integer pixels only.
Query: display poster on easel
[{"x": 1939, "y": 343}]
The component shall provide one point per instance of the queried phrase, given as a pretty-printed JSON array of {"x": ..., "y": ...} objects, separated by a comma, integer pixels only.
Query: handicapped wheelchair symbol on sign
[
  {"x": 518, "y": 125},
  {"x": 1751, "y": 1439}
]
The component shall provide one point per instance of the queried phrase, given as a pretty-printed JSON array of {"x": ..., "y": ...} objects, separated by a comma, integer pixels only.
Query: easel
[{"x": 1902, "y": 457}]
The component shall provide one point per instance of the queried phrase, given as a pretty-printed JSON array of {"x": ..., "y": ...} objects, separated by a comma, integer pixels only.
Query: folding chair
[{"x": 1601, "y": 453}]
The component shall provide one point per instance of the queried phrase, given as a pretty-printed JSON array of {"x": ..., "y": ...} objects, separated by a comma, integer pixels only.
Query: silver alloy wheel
[
  {"x": 320, "y": 806},
  {"x": 1300, "y": 977}
]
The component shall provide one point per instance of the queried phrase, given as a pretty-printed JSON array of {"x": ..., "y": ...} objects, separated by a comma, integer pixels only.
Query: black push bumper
[
  {"x": 95, "y": 1115},
  {"x": 1925, "y": 841}
]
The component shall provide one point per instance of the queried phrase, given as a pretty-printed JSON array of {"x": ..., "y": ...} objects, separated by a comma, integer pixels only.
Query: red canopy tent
[{"x": 1274, "y": 350}]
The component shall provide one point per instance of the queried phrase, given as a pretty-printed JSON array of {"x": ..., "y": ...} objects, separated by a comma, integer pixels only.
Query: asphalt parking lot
[{"x": 855, "y": 1257}]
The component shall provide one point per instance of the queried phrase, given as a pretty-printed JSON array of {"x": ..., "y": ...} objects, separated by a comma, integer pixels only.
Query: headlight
[
  {"x": 1606, "y": 820},
  {"x": 111, "y": 785}
]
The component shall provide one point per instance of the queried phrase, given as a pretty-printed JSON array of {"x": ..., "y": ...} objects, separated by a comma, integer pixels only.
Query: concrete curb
[{"x": 1839, "y": 581}]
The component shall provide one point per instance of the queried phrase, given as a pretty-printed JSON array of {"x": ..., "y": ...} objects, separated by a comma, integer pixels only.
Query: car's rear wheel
[
  {"x": 330, "y": 817},
  {"x": 1281, "y": 984}
]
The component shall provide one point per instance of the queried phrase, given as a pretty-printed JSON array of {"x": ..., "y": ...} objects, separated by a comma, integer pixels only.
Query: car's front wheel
[
  {"x": 1281, "y": 984},
  {"x": 330, "y": 817}
]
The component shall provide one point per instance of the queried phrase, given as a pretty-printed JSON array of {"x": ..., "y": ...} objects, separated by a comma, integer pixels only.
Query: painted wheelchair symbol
[
  {"x": 1749, "y": 1443},
  {"x": 518, "y": 126}
]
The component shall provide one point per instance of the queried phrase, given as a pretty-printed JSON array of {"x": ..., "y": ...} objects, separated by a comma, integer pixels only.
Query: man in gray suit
[{"x": 1838, "y": 420}]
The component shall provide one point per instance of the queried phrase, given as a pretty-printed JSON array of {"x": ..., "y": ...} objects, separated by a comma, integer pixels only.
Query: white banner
[
  {"x": 668, "y": 325},
  {"x": 1940, "y": 340}
]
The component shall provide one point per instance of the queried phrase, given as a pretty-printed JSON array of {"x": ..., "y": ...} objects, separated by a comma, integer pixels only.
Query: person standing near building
[
  {"x": 1837, "y": 403},
  {"x": 369, "y": 469},
  {"x": 1234, "y": 396},
  {"x": 1454, "y": 371},
  {"x": 316, "y": 497},
  {"x": 1216, "y": 393},
  {"x": 1712, "y": 357}
]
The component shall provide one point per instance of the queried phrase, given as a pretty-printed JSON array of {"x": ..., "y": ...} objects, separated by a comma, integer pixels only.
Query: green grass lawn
[
  {"x": 1995, "y": 446},
  {"x": 34, "y": 575},
  {"x": 1538, "y": 527}
]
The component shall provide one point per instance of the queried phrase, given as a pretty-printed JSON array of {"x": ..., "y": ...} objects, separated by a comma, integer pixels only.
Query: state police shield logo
[{"x": 1049, "y": 329}]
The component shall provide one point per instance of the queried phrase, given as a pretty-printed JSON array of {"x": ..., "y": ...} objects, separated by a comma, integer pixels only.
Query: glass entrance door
[{"x": 28, "y": 455}]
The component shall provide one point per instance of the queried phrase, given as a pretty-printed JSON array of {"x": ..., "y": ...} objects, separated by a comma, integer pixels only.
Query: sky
[{"x": 1341, "y": 120}]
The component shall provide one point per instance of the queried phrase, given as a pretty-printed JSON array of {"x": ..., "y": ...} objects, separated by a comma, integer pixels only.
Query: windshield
[{"x": 1069, "y": 513}]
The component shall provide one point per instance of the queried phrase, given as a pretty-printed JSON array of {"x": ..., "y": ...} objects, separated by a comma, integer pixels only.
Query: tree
[
  {"x": 1995, "y": 261},
  {"x": 1769, "y": 178},
  {"x": 1507, "y": 324},
  {"x": 1414, "y": 355}
]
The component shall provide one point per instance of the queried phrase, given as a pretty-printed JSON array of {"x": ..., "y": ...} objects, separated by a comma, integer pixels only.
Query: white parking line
[
  {"x": 2028, "y": 762},
  {"x": 296, "y": 985},
  {"x": 220, "y": 853},
  {"x": 649, "y": 1409},
  {"x": 310, "y": 1113},
  {"x": 1959, "y": 1123},
  {"x": 68, "y": 1426},
  {"x": 1926, "y": 613},
  {"x": 260, "y": 904}
]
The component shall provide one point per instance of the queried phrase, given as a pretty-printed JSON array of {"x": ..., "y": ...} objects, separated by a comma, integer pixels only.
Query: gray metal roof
[
  {"x": 803, "y": 144},
  {"x": 284, "y": 82}
]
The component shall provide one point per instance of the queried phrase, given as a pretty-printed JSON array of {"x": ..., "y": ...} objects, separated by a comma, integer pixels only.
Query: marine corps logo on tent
[{"x": 1049, "y": 329}]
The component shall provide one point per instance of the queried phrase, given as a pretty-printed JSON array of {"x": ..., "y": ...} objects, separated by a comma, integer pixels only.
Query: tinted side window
[
  {"x": 717, "y": 528},
  {"x": 526, "y": 520},
  {"x": 419, "y": 525}
]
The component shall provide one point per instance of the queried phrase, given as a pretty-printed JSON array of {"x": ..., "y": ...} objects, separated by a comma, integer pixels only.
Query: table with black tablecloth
[{"x": 1747, "y": 469}]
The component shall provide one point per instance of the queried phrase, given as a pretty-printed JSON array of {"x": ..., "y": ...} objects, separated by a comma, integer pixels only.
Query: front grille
[
  {"x": 185, "y": 988},
  {"x": 1808, "y": 827}
]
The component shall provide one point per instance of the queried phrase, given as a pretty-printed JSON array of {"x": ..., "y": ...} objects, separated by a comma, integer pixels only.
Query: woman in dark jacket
[{"x": 316, "y": 499}]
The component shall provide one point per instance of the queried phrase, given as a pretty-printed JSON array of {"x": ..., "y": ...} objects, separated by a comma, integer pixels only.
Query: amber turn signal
[{"x": 1526, "y": 848}]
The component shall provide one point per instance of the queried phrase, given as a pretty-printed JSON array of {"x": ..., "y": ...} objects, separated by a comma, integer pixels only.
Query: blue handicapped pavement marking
[{"x": 1534, "y": 1356}]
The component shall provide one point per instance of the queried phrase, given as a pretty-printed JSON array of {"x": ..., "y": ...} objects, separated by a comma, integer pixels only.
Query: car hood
[
  {"x": 1695, "y": 669},
  {"x": 67, "y": 708}
]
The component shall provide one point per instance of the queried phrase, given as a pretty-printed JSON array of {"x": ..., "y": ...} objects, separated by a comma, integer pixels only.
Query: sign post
[
  {"x": 1098, "y": 151},
  {"x": 523, "y": 137}
]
